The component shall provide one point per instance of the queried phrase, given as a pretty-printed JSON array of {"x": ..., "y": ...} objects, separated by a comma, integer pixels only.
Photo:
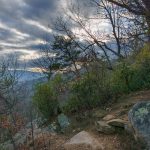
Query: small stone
[
  {"x": 117, "y": 123},
  {"x": 63, "y": 121},
  {"x": 53, "y": 127},
  {"x": 108, "y": 117},
  {"x": 103, "y": 127},
  {"x": 83, "y": 141}
]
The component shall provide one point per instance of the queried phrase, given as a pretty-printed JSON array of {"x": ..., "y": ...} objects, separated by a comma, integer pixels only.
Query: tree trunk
[
  {"x": 148, "y": 23},
  {"x": 12, "y": 139},
  {"x": 147, "y": 10},
  {"x": 147, "y": 5}
]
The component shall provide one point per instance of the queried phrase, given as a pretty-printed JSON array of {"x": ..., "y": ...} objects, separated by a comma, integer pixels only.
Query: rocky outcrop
[
  {"x": 83, "y": 141},
  {"x": 110, "y": 126},
  {"x": 103, "y": 127},
  {"x": 139, "y": 117}
]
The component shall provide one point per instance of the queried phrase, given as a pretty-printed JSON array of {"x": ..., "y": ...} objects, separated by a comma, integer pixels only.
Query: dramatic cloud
[{"x": 25, "y": 25}]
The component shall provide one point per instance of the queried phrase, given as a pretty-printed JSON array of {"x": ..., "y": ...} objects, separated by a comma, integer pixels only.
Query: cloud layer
[{"x": 24, "y": 24}]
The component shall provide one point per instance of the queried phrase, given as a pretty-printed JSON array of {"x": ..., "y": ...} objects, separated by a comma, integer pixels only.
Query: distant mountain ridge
[{"x": 25, "y": 75}]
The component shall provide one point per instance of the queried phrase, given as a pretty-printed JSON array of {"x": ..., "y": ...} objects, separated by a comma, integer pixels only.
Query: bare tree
[
  {"x": 65, "y": 50},
  {"x": 8, "y": 80},
  {"x": 10, "y": 97},
  {"x": 137, "y": 7},
  {"x": 100, "y": 39},
  {"x": 47, "y": 62},
  {"x": 68, "y": 50},
  {"x": 123, "y": 36},
  {"x": 124, "y": 29}
]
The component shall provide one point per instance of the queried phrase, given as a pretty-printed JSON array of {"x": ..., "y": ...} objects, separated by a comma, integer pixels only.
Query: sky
[{"x": 26, "y": 24}]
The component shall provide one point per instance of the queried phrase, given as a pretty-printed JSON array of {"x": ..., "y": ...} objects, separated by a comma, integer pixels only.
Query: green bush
[
  {"x": 141, "y": 67},
  {"x": 122, "y": 78},
  {"x": 128, "y": 77},
  {"x": 46, "y": 97},
  {"x": 46, "y": 100},
  {"x": 141, "y": 78},
  {"x": 91, "y": 90}
]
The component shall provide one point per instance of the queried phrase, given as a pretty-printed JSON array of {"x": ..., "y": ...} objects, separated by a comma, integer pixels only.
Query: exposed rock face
[
  {"x": 117, "y": 123},
  {"x": 139, "y": 117},
  {"x": 83, "y": 141},
  {"x": 103, "y": 127}
]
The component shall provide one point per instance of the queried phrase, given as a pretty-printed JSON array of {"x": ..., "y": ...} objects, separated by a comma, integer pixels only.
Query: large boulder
[
  {"x": 83, "y": 141},
  {"x": 139, "y": 117},
  {"x": 103, "y": 127}
]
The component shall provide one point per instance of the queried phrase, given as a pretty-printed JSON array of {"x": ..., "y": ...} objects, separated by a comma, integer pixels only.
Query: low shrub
[
  {"x": 91, "y": 90},
  {"x": 128, "y": 77},
  {"x": 46, "y": 100},
  {"x": 46, "y": 97},
  {"x": 121, "y": 78},
  {"x": 141, "y": 79}
]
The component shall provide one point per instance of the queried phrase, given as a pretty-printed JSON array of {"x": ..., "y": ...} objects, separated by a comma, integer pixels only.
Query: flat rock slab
[
  {"x": 139, "y": 117},
  {"x": 103, "y": 127},
  {"x": 117, "y": 123},
  {"x": 83, "y": 141},
  {"x": 109, "y": 117}
]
